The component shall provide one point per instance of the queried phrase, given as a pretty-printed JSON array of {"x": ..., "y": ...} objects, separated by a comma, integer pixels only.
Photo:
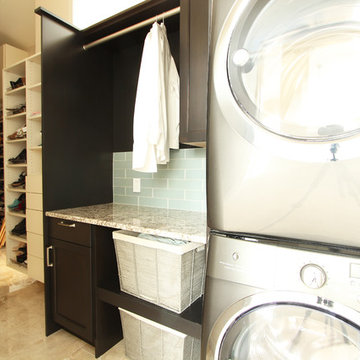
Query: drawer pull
[
  {"x": 67, "y": 225},
  {"x": 48, "y": 264}
]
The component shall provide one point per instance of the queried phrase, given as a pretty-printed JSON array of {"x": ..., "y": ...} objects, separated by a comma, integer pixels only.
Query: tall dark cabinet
[
  {"x": 194, "y": 55},
  {"x": 88, "y": 99}
]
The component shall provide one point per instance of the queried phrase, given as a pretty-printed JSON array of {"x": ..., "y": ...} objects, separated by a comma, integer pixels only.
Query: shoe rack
[
  {"x": 23, "y": 161},
  {"x": 2, "y": 209}
]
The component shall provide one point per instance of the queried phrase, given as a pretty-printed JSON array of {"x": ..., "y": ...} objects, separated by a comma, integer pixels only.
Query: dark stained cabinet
[
  {"x": 69, "y": 259},
  {"x": 88, "y": 99},
  {"x": 194, "y": 60}
]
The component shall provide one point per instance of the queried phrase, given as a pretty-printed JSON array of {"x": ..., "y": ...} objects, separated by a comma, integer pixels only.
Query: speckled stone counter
[{"x": 177, "y": 224}]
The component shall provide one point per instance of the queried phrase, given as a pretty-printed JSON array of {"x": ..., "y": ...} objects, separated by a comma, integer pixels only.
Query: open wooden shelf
[{"x": 188, "y": 322}]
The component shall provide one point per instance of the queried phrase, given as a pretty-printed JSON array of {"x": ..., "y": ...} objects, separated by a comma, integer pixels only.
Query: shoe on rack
[
  {"x": 22, "y": 248},
  {"x": 20, "y": 159},
  {"x": 20, "y": 181},
  {"x": 21, "y": 258},
  {"x": 17, "y": 110},
  {"x": 18, "y": 204},
  {"x": 18, "y": 134},
  {"x": 20, "y": 228},
  {"x": 18, "y": 83}
]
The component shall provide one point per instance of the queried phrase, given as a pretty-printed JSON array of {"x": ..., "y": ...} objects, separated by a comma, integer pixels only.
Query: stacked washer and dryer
[{"x": 283, "y": 274}]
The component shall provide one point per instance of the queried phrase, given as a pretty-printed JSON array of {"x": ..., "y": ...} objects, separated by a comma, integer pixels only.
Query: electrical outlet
[{"x": 136, "y": 185}]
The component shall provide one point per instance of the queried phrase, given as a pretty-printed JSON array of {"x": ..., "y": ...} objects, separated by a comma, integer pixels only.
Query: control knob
[{"x": 313, "y": 276}]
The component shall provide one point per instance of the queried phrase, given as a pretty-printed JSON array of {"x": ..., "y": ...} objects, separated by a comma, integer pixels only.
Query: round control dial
[{"x": 313, "y": 276}]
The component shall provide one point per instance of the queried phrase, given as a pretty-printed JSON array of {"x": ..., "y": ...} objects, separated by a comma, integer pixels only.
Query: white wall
[{"x": 89, "y": 12}]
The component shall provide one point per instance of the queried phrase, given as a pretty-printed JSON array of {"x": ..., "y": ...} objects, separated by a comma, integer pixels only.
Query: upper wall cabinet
[
  {"x": 188, "y": 38},
  {"x": 194, "y": 55}
]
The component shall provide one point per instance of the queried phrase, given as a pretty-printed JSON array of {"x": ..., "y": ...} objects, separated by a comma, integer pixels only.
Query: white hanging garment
[{"x": 156, "y": 114}]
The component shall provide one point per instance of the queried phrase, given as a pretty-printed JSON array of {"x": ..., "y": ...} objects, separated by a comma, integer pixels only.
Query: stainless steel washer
[{"x": 265, "y": 299}]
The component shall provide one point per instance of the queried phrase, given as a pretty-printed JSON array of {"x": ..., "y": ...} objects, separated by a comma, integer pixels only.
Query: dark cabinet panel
[
  {"x": 88, "y": 99},
  {"x": 72, "y": 231},
  {"x": 76, "y": 119},
  {"x": 194, "y": 59},
  {"x": 72, "y": 288},
  {"x": 69, "y": 265}
]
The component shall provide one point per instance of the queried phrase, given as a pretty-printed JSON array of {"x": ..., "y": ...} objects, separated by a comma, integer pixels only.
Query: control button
[
  {"x": 235, "y": 256},
  {"x": 313, "y": 276},
  {"x": 355, "y": 271}
]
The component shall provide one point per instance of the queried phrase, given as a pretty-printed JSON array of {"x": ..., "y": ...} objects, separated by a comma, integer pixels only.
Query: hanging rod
[{"x": 139, "y": 25}]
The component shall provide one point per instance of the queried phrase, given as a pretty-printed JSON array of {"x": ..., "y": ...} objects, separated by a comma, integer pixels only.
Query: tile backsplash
[{"x": 178, "y": 185}]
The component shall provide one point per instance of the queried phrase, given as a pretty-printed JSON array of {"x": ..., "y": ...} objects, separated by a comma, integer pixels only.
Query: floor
[
  {"x": 22, "y": 325},
  {"x": 10, "y": 280}
]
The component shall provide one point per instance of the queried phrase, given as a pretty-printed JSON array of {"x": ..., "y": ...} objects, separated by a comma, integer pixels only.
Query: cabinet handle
[
  {"x": 48, "y": 264},
  {"x": 66, "y": 225}
]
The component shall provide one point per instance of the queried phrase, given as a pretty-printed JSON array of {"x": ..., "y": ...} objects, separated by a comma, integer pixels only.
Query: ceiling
[{"x": 17, "y": 23}]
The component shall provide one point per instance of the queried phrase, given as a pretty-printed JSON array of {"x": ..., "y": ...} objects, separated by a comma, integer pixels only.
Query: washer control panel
[
  {"x": 273, "y": 267},
  {"x": 313, "y": 276}
]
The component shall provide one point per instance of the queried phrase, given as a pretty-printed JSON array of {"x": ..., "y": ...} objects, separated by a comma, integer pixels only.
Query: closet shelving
[
  {"x": 34, "y": 208},
  {"x": 13, "y": 98},
  {"x": 29, "y": 95},
  {"x": 2, "y": 209}
]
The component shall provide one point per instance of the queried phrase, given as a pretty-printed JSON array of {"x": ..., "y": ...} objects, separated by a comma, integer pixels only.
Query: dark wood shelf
[{"x": 188, "y": 322}]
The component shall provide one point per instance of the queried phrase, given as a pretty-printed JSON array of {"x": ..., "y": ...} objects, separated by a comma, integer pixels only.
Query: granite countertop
[{"x": 177, "y": 224}]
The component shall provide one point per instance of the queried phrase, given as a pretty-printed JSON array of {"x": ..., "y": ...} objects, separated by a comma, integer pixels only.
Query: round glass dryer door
[
  {"x": 293, "y": 67},
  {"x": 290, "y": 332}
]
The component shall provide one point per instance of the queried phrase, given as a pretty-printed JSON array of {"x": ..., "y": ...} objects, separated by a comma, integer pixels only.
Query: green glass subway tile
[
  {"x": 130, "y": 173},
  {"x": 185, "y": 184},
  {"x": 122, "y": 182},
  {"x": 128, "y": 155},
  {"x": 195, "y": 153},
  {"x": 118, "y": 190},
  {"x": 126, "y": 200},
  {"x": 119, "y": 173},
  {"x": 203, "y": 161},
  {"x": 195, "y": 195},
  {"x": 186, "y": 205},
  {"x": 203, "y": 187},
  {"x": 144, "y": 192},
  {"x": 159, "y": 203},
  {"x": 169, "y": 194},
  {"x": 154, "y": 183},
  {"x": 119, "y": 156},
  {"x": 124, "y": 164},
  {"x": 195, "y": 174},
  {"x": 161, "y": 167},
  {"x": 185, "y": 164},
  {"x": 177, "y": 154},
  {"x": 170, "y": 174}
]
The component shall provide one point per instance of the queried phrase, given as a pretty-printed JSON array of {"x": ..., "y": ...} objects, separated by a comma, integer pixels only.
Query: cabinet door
[
  {"x": 72, "y": 288},
  {"x": 194, "y": 58}
]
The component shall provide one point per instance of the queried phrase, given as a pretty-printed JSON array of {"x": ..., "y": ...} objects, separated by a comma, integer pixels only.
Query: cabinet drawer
[
  {"x": 36, "y": 268},
  {"x": 34, "y": 201},
  {"x": 34, "y": 184},
  {"x": 35, "y": 244},
  {"x": 34, "y": 221},
  {"x": 71, "y": 231}
]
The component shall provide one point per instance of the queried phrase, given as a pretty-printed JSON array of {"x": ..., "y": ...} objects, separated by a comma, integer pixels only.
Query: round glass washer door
[
  {"x": 281, "y": 329},
  {"x": 293, "y": 67}
]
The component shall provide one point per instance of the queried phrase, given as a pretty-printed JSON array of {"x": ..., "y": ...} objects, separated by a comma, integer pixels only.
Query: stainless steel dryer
[
  {"x": 284, "y": 119},
  {"x": 266, "y": 301}
]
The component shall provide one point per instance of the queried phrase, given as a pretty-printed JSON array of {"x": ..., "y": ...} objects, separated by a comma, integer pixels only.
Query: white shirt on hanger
[{"x": 156, "y": 115}]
